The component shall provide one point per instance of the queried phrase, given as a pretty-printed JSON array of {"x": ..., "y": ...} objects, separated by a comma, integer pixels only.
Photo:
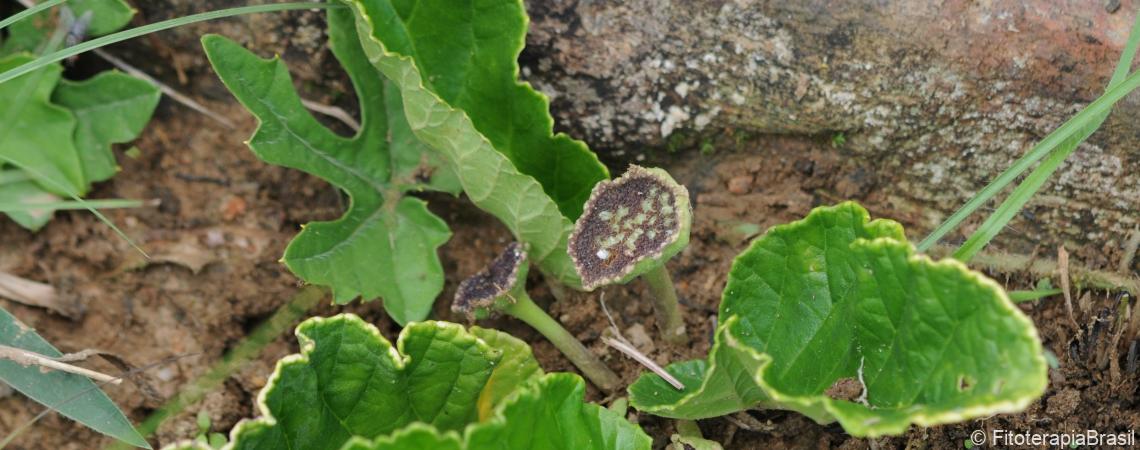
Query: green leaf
[
  {"x": 24, "y": 192},
  {"x": 35, "y": 135},
  {"x": 547, "y": 414},
  {"x": 74, "y": 396},
  {"x": 469, "y": 51},
  {"x": 385, "y": 244},
  {"x": 109, "y": 108},
  {"x": 550, "y": 414},
  {"x": 29, "y": 34},
  {"x": 414, "y": 437},
  {"x": 689, "y": 437},
  {"x": 349, "y": 381},
  {"x": 107, "y": 16},
  {"x": 351, "y": 388},
  {"x": 488, "y": 175},
  {"x": 836, "y": 298},
  {"x": 516, "y": 368}
]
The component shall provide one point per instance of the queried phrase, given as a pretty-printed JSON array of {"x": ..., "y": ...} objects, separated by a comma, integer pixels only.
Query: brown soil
[{"x": 225, "y": 218}]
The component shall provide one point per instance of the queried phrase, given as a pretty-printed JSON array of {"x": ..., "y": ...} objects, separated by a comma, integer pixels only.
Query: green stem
[
  {"x": 689, "y": 429},
  {"x": 665, "y": 304},
  {"x": 1028, "y": 296},
  {"x": 524, "y": 309}
]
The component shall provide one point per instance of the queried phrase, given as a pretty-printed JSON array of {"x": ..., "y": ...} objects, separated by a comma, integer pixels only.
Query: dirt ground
[{"x": 225, "y": 218}]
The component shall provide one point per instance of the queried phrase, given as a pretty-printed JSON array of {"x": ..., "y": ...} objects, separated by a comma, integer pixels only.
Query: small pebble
[
  {"x": 740, "y": 185},
  {"x": 215, "y": 238},
  {"x": 165, "y": 374},
  {"x": 640, "y": 339}
]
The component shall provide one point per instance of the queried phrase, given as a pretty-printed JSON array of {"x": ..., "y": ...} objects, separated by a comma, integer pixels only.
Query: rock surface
[{"x": 933, "y": 100}]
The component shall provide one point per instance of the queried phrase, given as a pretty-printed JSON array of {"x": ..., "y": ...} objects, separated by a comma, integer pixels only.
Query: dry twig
[
  {"x": 27, "y": 358},
  {"x": 1063, "y": 268},
  {"x": 34, "y": 293},
  {"x": 623, "y": 345}
]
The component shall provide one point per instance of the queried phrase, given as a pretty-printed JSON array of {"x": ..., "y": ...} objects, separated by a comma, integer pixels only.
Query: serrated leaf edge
[{"x": 308, "y": 345}]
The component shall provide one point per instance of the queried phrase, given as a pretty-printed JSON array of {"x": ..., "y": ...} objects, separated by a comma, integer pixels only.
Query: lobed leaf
[
  {"x": 469, "y": 51},
  {"x": 487, "y": 171},
  {"x": 385, "y": 243},
  {"x": 551, "y": 414},
  {"x": 548, "y": 414},
  {"x": 109, "y": 108},
  {"x": 836, "y": 298},
  {"x": 107, "y": 16},
  {"x": 349, "y": 388},
  {"x": 74, "y": 396},
  {"x": 35, "y": 134},
  {"x": 59, "y": 132}
]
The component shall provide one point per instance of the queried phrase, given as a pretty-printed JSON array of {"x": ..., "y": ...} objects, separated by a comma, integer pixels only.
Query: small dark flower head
[
  {"x": 478, "y": 295},
  {"x": 630, "y": 225}
]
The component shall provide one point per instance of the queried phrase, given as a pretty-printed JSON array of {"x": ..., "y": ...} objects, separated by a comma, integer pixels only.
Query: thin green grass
[
  {"x": 60, "y": 55},
  {"x": 1058, "y": 145},
  {"x": 154, "y": 27},
  {"x": 6, "y": 207},
  {"x": 29, "y": 12}
]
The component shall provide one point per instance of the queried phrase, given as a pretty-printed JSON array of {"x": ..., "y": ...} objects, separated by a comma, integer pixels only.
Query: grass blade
[
  {"x": 151, "y": 28},
  {"x": 119, "y": 37},
  {"x": 28, "y": 12},
  {"x": 1055, "y": 139},
  {"x": 71, "y": 205}
]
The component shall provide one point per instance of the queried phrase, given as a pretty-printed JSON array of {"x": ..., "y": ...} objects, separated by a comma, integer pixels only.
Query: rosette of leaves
[
  {"x": 630, "y": 227},
  {"x": 501, "y": 287},
  {"x": 439, "y": 387},
  {"x": 455, "y": 64},
  {"x": 55, "y": 134},
  {"x": 385, "y": 244},
  {"x": 837, "y": 301}
]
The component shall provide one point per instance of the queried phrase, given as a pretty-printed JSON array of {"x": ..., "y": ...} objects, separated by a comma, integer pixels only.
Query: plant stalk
[
  {"x": 665, "y": 305},
  {"x": 524, "y": 309}
]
